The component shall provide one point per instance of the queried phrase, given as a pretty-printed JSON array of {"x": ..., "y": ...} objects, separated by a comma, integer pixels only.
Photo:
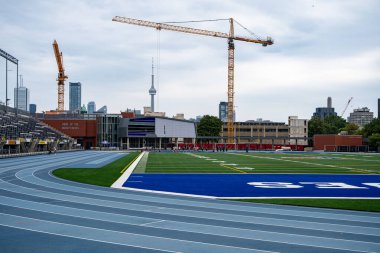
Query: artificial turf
[
  {"x": 104, "y": 176},
  {"x": 369, "y": 205},
  {"x": 318, "y": 163}
]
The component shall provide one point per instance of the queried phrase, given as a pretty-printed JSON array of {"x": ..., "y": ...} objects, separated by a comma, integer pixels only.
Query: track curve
[{"x": 42, "y": 213}]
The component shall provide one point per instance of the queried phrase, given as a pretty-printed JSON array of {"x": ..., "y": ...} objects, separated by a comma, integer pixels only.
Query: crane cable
[{"x": 158, "y": 67}]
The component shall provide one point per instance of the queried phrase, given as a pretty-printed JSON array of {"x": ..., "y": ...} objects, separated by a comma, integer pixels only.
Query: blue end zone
[{"x": 236, "y": 185}]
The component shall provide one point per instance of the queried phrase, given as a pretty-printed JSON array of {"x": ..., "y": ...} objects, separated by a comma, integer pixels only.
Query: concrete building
[
  {"x": 260, "y": 132},
  {"x": 155, "y": 132},
  {"x": 32, "y": 108},
  {"x": 75, "y": 96},
  {"x": 298, "y": 129},
  {"x": 323, "y": 112},
  {"x": 360, "y": 116},
  {"x": 21, "y": 98},
  {"x": 91, "y": 107}
]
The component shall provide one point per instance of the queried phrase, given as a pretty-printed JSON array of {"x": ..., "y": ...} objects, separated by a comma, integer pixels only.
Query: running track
[{"x": 41, "y": 213}]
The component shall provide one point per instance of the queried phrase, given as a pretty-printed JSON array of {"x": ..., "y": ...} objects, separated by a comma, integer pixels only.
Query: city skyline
[{"x": 330, "y": 48}]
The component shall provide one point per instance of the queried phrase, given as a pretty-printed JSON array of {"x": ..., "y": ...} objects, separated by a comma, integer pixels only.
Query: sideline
[{"x": 127, "y": 173}]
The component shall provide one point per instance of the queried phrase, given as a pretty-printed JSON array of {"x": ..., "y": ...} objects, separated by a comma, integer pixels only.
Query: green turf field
[{"x": 204, "y": 162}]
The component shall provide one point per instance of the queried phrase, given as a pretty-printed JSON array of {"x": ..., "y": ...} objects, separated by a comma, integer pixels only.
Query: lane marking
[
  {"x": 127, "y": 172},
  {"x": 158, "y": 240}
]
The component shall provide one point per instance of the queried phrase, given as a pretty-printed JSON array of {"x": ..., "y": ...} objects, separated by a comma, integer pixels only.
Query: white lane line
[
  {"x": 104, "y": 159},
  {"x": 277, "y": 210},
  {"x": 75, "y": 212},
  {"x": 199, "y": 214},
  {"x": 278, "y": 237},
  {"x": 151, "y": 223},
  {"x": 125, "y": 238},
  {"x": 124, "y": 177},
  {"x": 338, "y": 215}
]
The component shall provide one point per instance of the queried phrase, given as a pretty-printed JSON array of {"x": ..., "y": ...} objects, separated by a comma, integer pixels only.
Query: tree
[
  {"x": 351, "y": 128},
  {"x": 374, "y": 140},
  {"x": 329, "y": 125},
  {"x": 209, "y": 126},
  {"x": 372, "y": 128}
]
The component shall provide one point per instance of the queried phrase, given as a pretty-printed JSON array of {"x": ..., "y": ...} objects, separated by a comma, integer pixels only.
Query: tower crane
[
  {"x": 61, "y": 77},
  {"x": 231, "y": 47},
  {"x": 345, "y": 108}
]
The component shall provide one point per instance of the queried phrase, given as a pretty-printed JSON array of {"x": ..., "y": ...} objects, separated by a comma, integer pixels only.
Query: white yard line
[{"x": 121, "y": 180}]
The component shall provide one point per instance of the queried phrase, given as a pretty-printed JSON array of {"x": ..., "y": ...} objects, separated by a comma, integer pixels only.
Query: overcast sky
[{"x": 322, "y": 48}]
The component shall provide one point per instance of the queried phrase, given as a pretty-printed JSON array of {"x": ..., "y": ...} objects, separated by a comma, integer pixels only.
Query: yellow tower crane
[
  {"x": 231, "y": 47},
  {"x": 61, "y": 78}
]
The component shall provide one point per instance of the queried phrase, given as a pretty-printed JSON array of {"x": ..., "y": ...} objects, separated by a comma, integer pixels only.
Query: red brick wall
[{"x": 340, "y": 140}]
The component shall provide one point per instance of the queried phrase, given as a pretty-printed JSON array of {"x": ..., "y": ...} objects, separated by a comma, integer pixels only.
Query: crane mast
[
  {"x": 231, "y": 47},
  {"x": 61, "y": 77}
]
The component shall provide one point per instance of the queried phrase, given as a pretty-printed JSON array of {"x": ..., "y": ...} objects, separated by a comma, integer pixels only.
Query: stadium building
[{"x": 155, "y": 132}]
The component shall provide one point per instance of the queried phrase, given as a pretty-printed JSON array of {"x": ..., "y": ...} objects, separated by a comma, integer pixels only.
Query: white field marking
[
  {"x": 231, "y": 164},
  {"x": 265, "y": 235},
  {"x": 214, "y": 205},
  {"x": 124, "y": 177},
  {"x": 169, "y": 193},
  {"x": 245, "y": 168},
  {"x": 294, "y": 213},
  {"x": 117, "y": 232},
  {"x": 274, "y": 221},
  {"x": 219, "y": 206},
  {"x": 308, "y": 163}
]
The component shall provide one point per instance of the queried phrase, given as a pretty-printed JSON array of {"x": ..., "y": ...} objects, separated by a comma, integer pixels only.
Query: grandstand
[{"x": 21, "y": 133}]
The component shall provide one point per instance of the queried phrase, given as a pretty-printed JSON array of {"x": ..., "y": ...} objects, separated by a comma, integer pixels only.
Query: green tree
[
  {"x": 209, "y": 126},
  {"x": 351, "y": 128},
  {"x": 372, "y": 128},
  {"x": 329, "y": 125},
  {"x": 374, "y": 140}
]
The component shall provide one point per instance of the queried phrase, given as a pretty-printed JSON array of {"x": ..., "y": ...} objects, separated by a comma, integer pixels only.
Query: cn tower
[{"x": 152, "y": 90}]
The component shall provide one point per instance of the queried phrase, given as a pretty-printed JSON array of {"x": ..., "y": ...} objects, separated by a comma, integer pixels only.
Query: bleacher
[{"x": 19, "y": 128}]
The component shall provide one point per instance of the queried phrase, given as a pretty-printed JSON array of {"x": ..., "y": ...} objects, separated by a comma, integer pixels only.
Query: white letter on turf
[
  {"x": 274, "y": 185},
  {"x": 326, "y": 185},
  {"x": 377, "y": 185}
]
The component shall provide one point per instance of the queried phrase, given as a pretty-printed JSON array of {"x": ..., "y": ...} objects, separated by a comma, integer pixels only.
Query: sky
[{"x": 321, "y": 48}]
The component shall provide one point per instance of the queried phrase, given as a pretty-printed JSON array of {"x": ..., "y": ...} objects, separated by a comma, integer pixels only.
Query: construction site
[{"x": 69, "y": 129}]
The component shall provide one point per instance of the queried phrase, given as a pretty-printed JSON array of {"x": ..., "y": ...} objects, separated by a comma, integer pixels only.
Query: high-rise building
[
  {"x": 33, "y": 108},
  {"x": 329, "y": 102},
  {"x": 360, "y": 116},
  {"x": 323, "y": 112},
  {"x": 91, "y": 107},
  {"x": 223, "y": 111},
  {"x": 21, "y": 98},
  {"x": 152, "y": 91},
  {"x": 75, "y": 96}
]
